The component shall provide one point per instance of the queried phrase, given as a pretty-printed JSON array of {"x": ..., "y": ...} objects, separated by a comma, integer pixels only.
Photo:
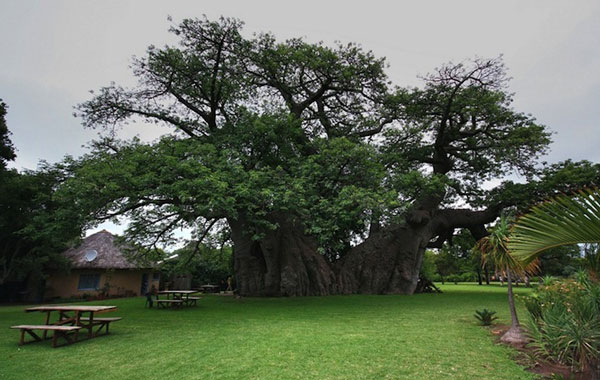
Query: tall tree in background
[
  {"x": 7, "y": 150},
  {"x": 36, "y": 224},
  {"x": 301, "y": 151}
]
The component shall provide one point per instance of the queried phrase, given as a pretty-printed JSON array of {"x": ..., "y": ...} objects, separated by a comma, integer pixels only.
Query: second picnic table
[{"x": 176, "y": 298}]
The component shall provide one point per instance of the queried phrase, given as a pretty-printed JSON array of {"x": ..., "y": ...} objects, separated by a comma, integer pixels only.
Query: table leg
[
  {"x": 90, "y": 325},
  {"x": 47, "y": 322}
]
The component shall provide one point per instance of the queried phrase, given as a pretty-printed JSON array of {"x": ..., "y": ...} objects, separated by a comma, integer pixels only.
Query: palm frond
[{"x": 560, "y": 221}]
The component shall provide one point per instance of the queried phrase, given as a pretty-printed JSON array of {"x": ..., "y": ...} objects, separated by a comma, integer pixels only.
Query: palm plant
[
  {"x": 560, "y": 221},
  {"x": 494, "y": 248}
]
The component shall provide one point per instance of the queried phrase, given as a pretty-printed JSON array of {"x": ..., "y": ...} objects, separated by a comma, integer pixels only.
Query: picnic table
[
  {"x": 210, "y": 288},
  {"x": 71, "y": 319},
  {"x": 176, "y": 298}
]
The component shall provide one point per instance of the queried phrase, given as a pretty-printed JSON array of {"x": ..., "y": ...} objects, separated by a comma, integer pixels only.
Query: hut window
[{"x": 89, "y": 282}]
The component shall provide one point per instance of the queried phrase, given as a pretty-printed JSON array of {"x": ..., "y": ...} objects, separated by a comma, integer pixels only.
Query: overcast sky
[{"x": 53, "y": 52}]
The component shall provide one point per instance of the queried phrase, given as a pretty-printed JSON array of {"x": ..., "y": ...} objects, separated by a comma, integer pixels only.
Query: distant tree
[
  {"x": 429, "y": 269},
  {"x": 560, "y": 261},
  {"x": 7, "y": 150},
  {"x": 447, "y": 262},
  {"x": 36, "y": 224},
  {"x": 206, "y": 264}
]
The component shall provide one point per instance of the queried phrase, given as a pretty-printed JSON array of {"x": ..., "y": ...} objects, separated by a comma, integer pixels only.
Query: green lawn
[{"x": 427, "y": 336}]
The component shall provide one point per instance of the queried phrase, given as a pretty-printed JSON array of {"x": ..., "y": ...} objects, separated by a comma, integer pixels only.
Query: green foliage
[
  {"x": 463, "y": 124},
  {"x": 7, "y": 150},
  {"x": 447, "y": 262},
  {"x": 563, "y": 177},
  {"x": 485, "y": 317},
  {"x": 560, "y": 261},
  {"x": 428, "y": 268},
  {"x": 494, "y": 248},
  {"x": 36, "y": 222},
  {"x": 591, "y": 260},
  {"x": 561, "y": 221},
  {"x": 564, "y": 323},
  {"x": 458, "y": 261},
  {"x": 207, "y": 265}
]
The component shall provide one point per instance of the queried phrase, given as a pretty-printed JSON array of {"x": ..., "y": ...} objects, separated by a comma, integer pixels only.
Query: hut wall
[{"x": 121, "y": 283}]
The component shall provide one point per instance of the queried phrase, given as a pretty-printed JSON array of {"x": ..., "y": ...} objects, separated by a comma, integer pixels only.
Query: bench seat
[
  {"x": 59, "y": 332},
  {"x": 46, "y": 327},
  {"x": 173, "y": 303},
  {"x": 104, "y": 323},
  {"x": 191, "y": 300}
]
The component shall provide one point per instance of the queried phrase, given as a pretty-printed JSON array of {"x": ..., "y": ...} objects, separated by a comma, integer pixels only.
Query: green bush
[
  {"x": 468, "y": 277},
  {"x": 564, "y": 322},
  {"x": 455, "y": 278}
]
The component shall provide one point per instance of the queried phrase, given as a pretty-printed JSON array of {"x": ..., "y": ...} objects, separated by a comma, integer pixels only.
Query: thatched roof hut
[{"x": 100, "y": 251}]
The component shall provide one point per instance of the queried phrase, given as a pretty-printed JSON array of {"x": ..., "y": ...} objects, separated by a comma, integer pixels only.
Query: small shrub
[
  {"x": 564, "y": 322},
  {"x": 485, "y": 317}
]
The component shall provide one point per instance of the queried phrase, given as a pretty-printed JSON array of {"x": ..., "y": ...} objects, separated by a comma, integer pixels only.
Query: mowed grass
[{"x": 426, "y": 336}]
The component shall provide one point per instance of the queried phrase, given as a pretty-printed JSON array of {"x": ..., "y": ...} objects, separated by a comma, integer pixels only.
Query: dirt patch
[{"x": 526, "y": 357}]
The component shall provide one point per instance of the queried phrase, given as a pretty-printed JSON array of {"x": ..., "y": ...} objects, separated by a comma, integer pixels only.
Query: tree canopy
[{"x": 310, "y": 157}]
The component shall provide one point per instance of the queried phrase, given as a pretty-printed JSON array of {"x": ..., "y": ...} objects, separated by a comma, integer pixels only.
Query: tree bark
[
  {"x": 514, "y": 335},
  {"x": 388, "y": 262},
  {"x": 284, "y": 262}
]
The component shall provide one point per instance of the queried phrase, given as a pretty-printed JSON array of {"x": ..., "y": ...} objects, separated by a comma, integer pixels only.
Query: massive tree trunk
[
  {"x": 286, "y": 262},
  {"x": 388, "y": 262}
]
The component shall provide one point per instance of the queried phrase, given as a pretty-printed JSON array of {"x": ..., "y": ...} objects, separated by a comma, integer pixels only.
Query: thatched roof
[{"x": 100, "y": 251}]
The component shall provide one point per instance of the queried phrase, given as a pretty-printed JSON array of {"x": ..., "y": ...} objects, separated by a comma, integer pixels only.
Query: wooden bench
[
  {"x": 59, "y": 332},
  {"x": 166, "y": 303},
  {"x": 102, "y": 322},
  {"x": 191, "y": 300}
]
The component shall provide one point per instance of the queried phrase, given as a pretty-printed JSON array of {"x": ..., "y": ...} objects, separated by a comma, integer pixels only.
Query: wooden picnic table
[
  {"x": 67, "y": 326},
  {"x": 210, "y": 288},
  {"x": 176, "y": 298},
  {"x": 77, "y": 318}
]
